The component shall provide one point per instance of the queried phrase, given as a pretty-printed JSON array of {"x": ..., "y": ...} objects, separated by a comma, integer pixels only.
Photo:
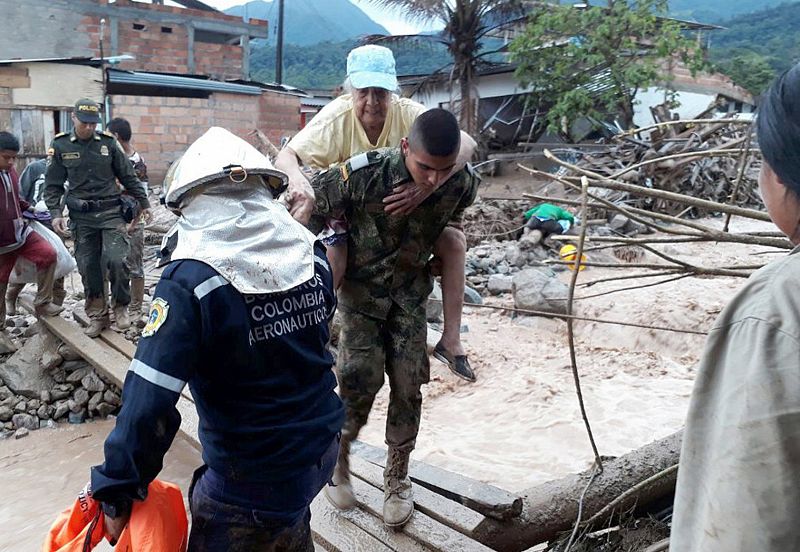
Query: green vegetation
[
  {"x": 756, "y": 47},
  {"x": 563, "y": 51},
  {"x": 322, "y": 66}
]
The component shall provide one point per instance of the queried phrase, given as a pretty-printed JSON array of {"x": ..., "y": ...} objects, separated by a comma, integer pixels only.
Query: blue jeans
[{"x": 256, "y": 516}]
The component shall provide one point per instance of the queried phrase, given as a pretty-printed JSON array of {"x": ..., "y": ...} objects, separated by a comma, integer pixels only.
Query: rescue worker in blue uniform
[{"x": 240, "y": 314}]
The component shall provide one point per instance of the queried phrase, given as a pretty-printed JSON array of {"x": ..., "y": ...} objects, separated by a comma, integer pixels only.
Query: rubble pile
[
  {"x": 36, "y": 394},
  {"x": 703, "y": 176}
]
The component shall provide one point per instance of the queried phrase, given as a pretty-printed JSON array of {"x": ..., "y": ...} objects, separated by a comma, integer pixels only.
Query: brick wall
[
  {"x": 71, "y": 28},
  {"x": 164, "y": 127}
]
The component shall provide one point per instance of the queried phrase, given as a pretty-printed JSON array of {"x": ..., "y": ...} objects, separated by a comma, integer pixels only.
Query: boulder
[
  {"x": 78, "y": 375},
  {"x": 500, "y": 283},
  {"x": 6, "y": 413},
  {"x": 539, "y": 289},
  {"x": 25, "y": 420},
  {"x": 93, "y": 383},
  {"x": 472, "y": 296},
  {"x": 22, "y": 372}
]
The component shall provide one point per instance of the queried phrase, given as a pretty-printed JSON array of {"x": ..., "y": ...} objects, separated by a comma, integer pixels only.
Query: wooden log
[
  {"x": 450, "y": 513},
  {"x": 484, "y": 498},
  {"x": 600, "y": 181},
  {"x": 551, "y": 508}
]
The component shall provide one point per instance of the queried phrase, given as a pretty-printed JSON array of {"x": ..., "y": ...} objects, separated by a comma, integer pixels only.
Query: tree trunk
[{"x": 551, "y": 508}]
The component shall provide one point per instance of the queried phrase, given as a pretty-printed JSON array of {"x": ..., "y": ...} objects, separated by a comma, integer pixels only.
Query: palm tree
[{"x": 466, "y": 24}]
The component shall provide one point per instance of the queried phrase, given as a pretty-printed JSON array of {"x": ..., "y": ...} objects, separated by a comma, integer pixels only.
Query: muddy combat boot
[
  {"x": 43, "y": 302},
  {"x": 11, "y": 298},
  {"x": 340, "y": 493},
  {"x": 96, "y": 326},
  {"x": 398, "y": 503},
  {"x": 137, "y": 297},
  {"x": 121, "y": 317}
]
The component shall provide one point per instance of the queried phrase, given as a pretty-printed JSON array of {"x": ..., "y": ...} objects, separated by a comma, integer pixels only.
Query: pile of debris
[{"x": 701, "y": 159}]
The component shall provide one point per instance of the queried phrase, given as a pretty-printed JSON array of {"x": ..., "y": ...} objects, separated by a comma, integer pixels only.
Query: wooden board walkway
[{"x": 440, "y": 522}]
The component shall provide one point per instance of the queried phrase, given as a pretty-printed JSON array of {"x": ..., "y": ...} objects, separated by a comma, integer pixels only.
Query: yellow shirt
[{"x": 334, "y": 135}]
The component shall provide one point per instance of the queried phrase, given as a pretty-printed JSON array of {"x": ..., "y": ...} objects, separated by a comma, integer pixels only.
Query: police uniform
[
  {"x": 386, "y": 284},
  {"x": 260, "y": 374},
  {"x": 92, "y": 168}
]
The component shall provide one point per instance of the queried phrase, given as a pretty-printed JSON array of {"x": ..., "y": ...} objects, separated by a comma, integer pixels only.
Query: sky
[{"x": 392, "y": 21}]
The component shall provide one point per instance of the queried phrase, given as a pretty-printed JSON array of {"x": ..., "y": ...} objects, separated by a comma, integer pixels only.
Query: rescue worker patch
[
  {"x": 104, "y": 150},
  {"x": 157, "y": 317}
]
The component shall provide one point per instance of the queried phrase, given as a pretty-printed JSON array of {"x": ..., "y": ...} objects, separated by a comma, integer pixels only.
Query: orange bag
[{"x": 158, "y": 524}]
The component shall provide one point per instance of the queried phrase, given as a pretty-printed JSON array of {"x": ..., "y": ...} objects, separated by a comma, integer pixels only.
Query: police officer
[
  {"x": 385, "y": 286},
  {"x": 92, "y": 162},
  {"x": 241, "y": 314}
]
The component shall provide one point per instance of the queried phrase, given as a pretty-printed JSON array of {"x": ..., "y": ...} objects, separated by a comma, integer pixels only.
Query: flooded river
[{"x": 41, "y": 474}]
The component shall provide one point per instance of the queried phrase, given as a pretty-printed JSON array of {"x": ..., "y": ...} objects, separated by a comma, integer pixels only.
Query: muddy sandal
[{"x": 458, "y": 364}]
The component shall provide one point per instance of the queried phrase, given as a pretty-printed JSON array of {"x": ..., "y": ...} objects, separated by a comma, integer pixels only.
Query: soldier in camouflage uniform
[
  {"x": 385, "y": 286},
  {"x": 92, "y": 162}
]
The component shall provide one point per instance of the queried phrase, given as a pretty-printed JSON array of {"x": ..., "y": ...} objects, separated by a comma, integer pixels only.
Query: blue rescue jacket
[{"x": 257, "y": 366}]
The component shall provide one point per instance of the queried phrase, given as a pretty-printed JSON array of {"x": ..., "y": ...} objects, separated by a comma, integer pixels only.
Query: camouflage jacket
[
  {"x": 92, "y": 168},
  {"x": 387, "y": 259}
]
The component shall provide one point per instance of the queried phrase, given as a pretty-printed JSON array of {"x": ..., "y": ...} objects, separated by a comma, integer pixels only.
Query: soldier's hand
[
  {"x": 405, "y": 198},
  {"x": 60, "y": 226},
  {"x": 300, "y": 199}
]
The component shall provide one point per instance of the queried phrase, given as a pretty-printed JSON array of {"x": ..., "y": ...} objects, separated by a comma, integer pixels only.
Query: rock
[
  {"x": 5, "y": 413},
  {"x": 9, "y": 401},
  {"x": 59, "y": 394},
  {"x": 50, "y": 360},
  {"x": 618, "y": 222},
  {"x": 5, "y": 392},
  {"x": 42, "y": 412},
  {"x": 78, "y": 374},
  {"x": 34, "y": 403},
  {"x": 93, "y": 383},
  {"x": 94, "y": 401},
  {"x": 21, "y": 372},
  {"x": 81, "y": 397},
  {"x": 111, "y": 398},
  {"x": 499, "y": 283},
  {"x": 6, "y": 345},
  {"x": 61, "y": 411},
  {"x": 105, "y": 409},
  {"x": 77, "y": 417},
  {"x": 472, "y": 296},
  {"x": 503, "y": 268},
  {"x": 68, "y": 353},
  {"x": 44, "y": 396},
  {"x": 59, "y": 375},
  {"x": 21, "y": 406},
  {"x": 47, "y": 424},
  {"x": 31, "y": 330},
  {"x": 433, "y": 310},
  {"x": 25, "y": 420},
  {"x": 539, "y": 289},
  {"x": 72, "y": 365},
  {"x": 20, "y": 433}
]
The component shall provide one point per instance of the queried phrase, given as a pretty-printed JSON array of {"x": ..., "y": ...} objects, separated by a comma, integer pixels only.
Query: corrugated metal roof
[{"x": 116, "y": 76}]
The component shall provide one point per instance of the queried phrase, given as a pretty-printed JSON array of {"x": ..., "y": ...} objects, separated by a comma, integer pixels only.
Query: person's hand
[
  {"x": 405, "y": 198},
  {"x": 146, "y": 216},
  {"x": 60, "y": 226},
  {"x": 115, "y": 526},
  {"x": 300, "y": 199}
]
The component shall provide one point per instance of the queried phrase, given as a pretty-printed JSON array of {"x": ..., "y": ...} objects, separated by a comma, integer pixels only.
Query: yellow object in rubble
[{"x": 568, "y": 253}]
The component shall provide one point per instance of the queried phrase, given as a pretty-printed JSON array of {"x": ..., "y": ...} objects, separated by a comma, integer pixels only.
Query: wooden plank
[
  {"x": 109, "y": 362},
  {"x": 421, "y": 528},
  {"x": 119, "y": 343},
  {"x": 336, "y": 533},
  {"x": 446, "y": 511},
  {"x": 487, "y": 499}
]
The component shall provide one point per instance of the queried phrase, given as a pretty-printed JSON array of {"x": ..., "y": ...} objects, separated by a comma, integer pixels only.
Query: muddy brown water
[{"x": 41, "y": 474}]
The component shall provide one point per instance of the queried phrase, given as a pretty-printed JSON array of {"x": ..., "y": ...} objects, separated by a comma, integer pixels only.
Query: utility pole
[{"x": 279, "y": 48}]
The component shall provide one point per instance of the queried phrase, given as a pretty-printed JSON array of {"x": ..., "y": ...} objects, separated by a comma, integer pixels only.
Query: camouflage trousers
[
  {"x": 98, "y": 250},
  {"x": 135, "y": 259},
  {"x": 368, "y": 347}
]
